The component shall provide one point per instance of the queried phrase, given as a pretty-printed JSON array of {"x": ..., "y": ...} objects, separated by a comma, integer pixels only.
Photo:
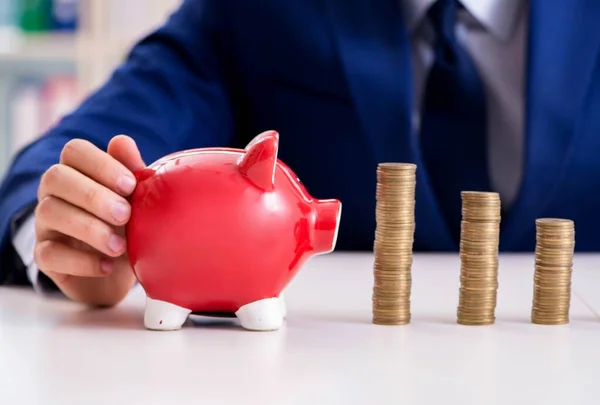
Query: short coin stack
[
  {"x": 553, "y": 267},
  {"x": 479, "y": 241},
  {"x": 393, "y": 245}
]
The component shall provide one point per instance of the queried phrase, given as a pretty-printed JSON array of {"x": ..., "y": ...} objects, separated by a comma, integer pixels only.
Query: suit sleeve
[{"x": 170, "y": 89}]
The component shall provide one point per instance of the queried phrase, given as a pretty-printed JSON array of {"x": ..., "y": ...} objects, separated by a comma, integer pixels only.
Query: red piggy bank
[{"x": 223, "y": 231}]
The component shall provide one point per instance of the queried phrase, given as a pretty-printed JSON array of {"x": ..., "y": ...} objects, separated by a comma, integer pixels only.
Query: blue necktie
[{"x": 453, "y": 124}]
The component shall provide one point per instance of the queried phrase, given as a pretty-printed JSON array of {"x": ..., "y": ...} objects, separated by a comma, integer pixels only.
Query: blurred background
[{"x": 54, "y": 52}]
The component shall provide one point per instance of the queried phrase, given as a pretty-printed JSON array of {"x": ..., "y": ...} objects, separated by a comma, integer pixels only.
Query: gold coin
[
  {"x": 479, "y": 242},
  {"x": 555, "y": 244},
  {"x": 393, "y": 244}
]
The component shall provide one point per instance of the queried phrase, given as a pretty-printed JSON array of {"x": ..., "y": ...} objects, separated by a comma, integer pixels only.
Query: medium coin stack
[
  {"x": 393, "y": 246},
  {"x": 555, "y": 244},
  {"x": 479, "y": 241}
]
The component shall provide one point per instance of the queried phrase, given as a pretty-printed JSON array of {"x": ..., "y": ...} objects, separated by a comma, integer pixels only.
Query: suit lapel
[
  {"x": 375, "y": 52},
  {"x": 562, "y": 52}
]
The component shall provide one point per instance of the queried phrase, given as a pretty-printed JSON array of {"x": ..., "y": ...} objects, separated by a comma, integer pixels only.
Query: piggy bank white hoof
[
  {"x": 161, "y": 315},
  {"x": 263, "y": 315}
]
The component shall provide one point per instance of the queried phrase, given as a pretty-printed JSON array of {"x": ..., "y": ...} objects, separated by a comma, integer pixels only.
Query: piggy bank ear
[{"x": 259, "y": 162}]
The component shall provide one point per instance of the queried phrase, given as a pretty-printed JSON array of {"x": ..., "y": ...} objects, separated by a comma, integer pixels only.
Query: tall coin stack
[
  {"x": 393, "y": 247},
  {"x": 553, "y": 267},
  {"x": 479, "y": 241}
]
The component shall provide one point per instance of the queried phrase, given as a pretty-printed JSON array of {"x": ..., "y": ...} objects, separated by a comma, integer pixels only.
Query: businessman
[{"x": 500, "y": 95}]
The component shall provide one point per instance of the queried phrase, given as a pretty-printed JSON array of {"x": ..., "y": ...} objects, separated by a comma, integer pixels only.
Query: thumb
[{"x": 125, "y": 150}]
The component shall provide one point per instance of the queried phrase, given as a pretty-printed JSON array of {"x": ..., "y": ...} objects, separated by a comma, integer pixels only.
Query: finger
[
  {"x": 55, "y": 258},
  {"x": 98, "y": 291},
  {"x": 98, "y": 165},
  {"x": 125, "y": 150},
  {"x": 42, "y": 232},
  {"x": 60, "y": 216},
  {"x": 70, "y": 185}
]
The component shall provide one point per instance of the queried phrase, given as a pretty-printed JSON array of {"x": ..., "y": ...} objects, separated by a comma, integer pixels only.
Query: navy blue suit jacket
[{"x": 333, "y": 77}]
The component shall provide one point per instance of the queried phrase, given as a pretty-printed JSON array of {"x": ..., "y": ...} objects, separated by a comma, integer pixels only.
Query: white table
[{"x": 328, "y": 352}]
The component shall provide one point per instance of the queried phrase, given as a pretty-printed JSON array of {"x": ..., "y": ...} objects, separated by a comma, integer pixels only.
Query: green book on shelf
[{"x": 35, "y": 15}]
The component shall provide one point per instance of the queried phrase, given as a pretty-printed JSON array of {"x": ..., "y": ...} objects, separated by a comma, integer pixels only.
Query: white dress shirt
[
  {"x": 493, "y": 33},
  {"x": 24, "y": 243}
]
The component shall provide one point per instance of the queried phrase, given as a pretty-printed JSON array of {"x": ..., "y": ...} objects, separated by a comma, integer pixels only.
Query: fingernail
[
  {"x": 107, "y": 265},
  {"x": 116, "y": 243},
  {"x": 126, "y": 184},
  {"x": 120, "y": 211}
]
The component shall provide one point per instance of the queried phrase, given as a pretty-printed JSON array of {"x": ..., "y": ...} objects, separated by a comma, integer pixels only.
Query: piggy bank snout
[{"x": 326, "y": 226}]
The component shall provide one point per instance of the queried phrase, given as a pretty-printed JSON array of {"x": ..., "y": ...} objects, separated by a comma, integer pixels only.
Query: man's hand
[{"x": 80, "y": 217}]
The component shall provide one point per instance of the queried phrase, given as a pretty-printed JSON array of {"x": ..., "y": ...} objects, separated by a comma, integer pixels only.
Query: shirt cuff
[{"x": 24, "y": 244}]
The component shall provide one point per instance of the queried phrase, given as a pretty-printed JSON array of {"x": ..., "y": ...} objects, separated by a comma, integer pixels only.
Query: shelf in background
[{"x": 43, "y": 47}]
